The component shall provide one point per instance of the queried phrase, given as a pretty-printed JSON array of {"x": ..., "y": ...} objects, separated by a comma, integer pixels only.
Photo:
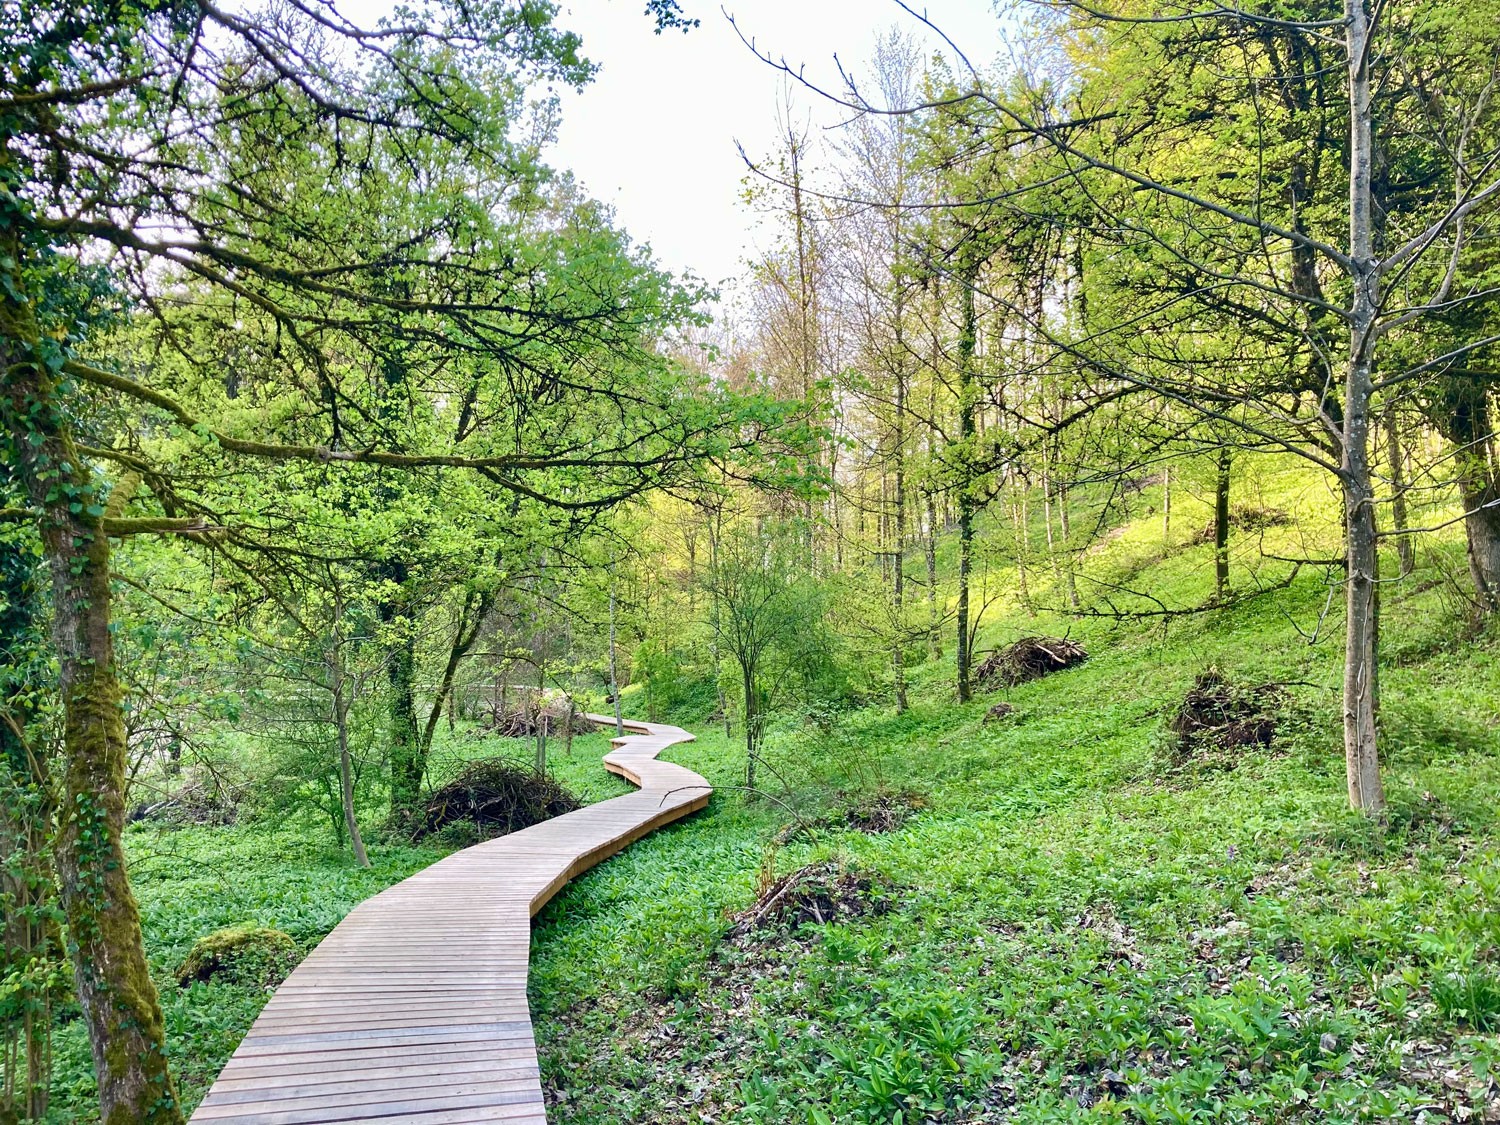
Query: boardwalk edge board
[{"x": 413, "y": 1009}]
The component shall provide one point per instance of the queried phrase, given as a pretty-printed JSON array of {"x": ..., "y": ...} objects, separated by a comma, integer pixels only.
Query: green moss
[{"x": 241, "y": 955}]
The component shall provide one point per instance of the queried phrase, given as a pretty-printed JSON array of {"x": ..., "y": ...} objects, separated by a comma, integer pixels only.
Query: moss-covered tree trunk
[
  {"x": 407, "y": 750},
  {"x": 114, "y": 987}
]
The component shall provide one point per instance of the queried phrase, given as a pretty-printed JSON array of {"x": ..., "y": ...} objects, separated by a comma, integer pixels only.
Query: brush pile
[
  {"x": 496, "y": 797},
  {"x": 1030, "y": 658},
  {"x": 1218, "y": 714},
  {"x": 1246, "y": 517},
  {"x": 519, "y": 718},
  {"x": 817, "y": 894},
  {"x": 202, "y": 800},
  {"x": 883, "y": 811}
]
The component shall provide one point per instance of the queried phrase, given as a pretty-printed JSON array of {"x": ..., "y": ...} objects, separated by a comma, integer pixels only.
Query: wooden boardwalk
[{"x": 413, "y": 1010}]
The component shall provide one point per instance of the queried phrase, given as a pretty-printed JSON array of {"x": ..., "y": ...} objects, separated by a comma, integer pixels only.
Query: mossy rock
[{"x": 251, "y": 955}]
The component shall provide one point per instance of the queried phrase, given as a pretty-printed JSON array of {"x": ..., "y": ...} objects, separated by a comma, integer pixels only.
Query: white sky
[{"x": 654, "y": 134}]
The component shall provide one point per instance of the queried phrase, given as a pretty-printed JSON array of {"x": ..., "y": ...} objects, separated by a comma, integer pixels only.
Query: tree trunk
[
  {"x": 1166, "y": 508},
  {"x": 1466, "y": 423},
  {"x": 471, "y": 620},
  {"x": 934, "y": 618},
  {"x": 1066, "y": 527},
  {"x": 1362, "y": 619},
  {"x": 1021, "y": 514},
  {"x": 967, "y": 341},
  {"x": 407, "y": 753},
  {"x": 614, "y": 680},
  {"x": 1400, "y": 520},
  {"x": 1221, "y": 526},
  {"x": 112, "y": 979},
  {"x": 1481, "y": 500},
  {"x": 898, "y": 576},
  {"x": 715, "y": 613},
  {"x": 346, "y": 764},
  {"x": 539, "y": 721},
  {"x": 752, "y": 724},
  {"x": 30, "y": 939}
]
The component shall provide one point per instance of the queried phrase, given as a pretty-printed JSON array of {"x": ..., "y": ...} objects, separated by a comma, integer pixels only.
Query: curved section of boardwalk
[{"x": 413, "y": 1010}]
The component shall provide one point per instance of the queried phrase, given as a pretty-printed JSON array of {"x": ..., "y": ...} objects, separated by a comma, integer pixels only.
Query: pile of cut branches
[
  {"x": 1218, "y": 714},
  {"x": 1030, "y": 658},
  {"x": 819, "y": 893},
  {"x": 497, "y": 797},
  {"x": 519, "y": 718}
]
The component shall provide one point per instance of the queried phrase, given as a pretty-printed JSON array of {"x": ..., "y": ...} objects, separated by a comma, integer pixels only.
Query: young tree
[{"x": 762, "y": 590}]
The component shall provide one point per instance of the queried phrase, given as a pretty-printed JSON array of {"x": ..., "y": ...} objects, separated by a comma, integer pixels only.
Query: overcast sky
[{"x": 655, "y": 134}]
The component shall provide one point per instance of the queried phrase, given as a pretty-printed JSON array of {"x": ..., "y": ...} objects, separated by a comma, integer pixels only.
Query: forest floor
[
  {"x": 1081, "y": 924},
  {"x": 1077, "y": 922}
]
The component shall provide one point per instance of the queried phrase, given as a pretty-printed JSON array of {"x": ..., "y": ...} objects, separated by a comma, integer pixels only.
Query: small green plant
[{"x": 1470, "y": 997}]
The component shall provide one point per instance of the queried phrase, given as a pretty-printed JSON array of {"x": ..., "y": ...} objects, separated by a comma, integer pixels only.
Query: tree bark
[
  {"x": 898, "y": 576},
  {"x": 1166, "y": 508},
  {"x": 1066, "y": 527},
  {"x": 614, "y": 681},
  {"x": 407, "y": 752},
  {"x": 1021, "y": 517},
  {"x": 539, "y": 720},
  {"x": 934, "y": 618},
  {"x": 112, "y": 979},
  {"x": 341, "y": 701},
  {"x": 967, "y": 341},
  {"x": 30, "y": 939},
  {"x": 1221, "y": 525},
  {"x": 752, "y": 724},
  {"x": 1362, "y": 589},
  {"x": 1400, "y": 520},
  {"x": 715, "y": 611},
  {"x": 1467, "y": 425}
]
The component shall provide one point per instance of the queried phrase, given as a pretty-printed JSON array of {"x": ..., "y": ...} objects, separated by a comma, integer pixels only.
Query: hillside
[
  {"x": 1052, "y": 915},
  {"x": 1080, "y": 923}
]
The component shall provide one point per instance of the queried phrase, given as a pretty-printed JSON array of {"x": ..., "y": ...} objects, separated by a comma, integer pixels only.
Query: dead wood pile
[
  {"x": 519, "y": 718},
  {"x": 819, "y": 893},
  {"x": 1030, "y": 658},
  {"x": 497, "y": 797},
  {"x": 1222, "y": 715}
]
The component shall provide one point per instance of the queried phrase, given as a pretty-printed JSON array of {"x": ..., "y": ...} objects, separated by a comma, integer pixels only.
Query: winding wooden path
[{"x": 413, "y": 1010}]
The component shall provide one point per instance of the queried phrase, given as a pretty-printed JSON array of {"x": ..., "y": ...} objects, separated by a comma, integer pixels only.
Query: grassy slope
[
  {"x": 1075, "y": 935},
  {"x": 1078, "y": 933}
]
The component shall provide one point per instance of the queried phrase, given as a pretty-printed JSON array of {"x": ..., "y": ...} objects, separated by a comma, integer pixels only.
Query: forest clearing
[{"x": 1023, "y": 649}]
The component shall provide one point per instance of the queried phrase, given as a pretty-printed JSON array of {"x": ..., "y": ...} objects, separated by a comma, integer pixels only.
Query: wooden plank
[{"x": 413, "y": 1010}]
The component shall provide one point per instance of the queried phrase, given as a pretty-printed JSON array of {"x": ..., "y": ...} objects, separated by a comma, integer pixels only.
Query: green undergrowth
[
  {"x": 1083, "y": 926},
  {"x": 1075, "y": 921}
]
